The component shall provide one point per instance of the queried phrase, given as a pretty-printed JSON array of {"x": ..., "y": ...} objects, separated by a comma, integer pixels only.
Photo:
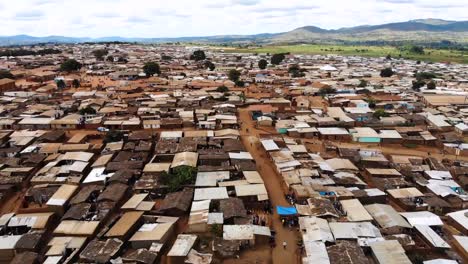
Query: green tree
[
  {"x": 70, "y": 65},
  {"x": 234, "y": 75},
  {"x": 425, "y": 75},
  {"x": 276, "y": 59},
  {"x": 210, "y": 65},
  {"x": 362, "y": 83},
  {"x": 216, "y": 230},
  {"x": 371, "y": 102},
  {"x": 416, "y": 85},
  {"x": 380, "y": 113},
  {"x": 431, "y": 85},
  {"x": 262, "y": 64},
  {"x": 180, "y": 176},
  {"x": 296, "y": 71},
  {"x": 198, "y": 55},
  {"x": 76, "y": 83},
  {"x": 326, "y": 90},
  {"x": 389, "y": 57},
  {"x": 6, "y": 74},
  {"x": 110, "y": 58},
  {"x": 240, "y": 83},
  {"x": 88, "y": 110},
  {"x": 166, "y": 57},
  {"x": 100, "y": 53},
  {"x": 113, "y": 136},
  {"x": 60, "y": 84},
  {"x": 416, "y": 49},
  {"x": 151, "y": 68},
  {"x": 222, "y": 89},
  {"x": 387, "y": 72}
]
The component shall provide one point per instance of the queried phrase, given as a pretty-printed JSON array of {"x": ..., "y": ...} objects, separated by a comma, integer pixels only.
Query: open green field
[{"x": 432, "y": 55}]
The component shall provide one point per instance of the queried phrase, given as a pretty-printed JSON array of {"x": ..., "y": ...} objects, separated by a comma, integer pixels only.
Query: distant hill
[{"x": 419, "y": 31}]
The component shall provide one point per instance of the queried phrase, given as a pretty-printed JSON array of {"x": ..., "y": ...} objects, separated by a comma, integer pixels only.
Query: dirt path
[{"x": 275, "y": 191}]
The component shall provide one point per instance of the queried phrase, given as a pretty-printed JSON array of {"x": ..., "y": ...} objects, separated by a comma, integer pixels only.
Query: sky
[{"x": 181, "y": 18}]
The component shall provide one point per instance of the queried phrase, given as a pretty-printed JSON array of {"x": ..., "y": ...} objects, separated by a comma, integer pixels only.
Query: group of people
[{"x": 259, "y": 220}]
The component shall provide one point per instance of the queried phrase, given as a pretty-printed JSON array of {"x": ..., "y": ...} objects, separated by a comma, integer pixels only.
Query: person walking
[{"x": 284, "y": 244}]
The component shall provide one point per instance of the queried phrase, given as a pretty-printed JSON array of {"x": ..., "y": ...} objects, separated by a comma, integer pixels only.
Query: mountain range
[{"x": 416, "y": 31}]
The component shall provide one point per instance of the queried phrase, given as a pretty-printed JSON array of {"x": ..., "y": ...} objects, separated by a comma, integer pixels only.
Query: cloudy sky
[{"x": 176, "y": 18}]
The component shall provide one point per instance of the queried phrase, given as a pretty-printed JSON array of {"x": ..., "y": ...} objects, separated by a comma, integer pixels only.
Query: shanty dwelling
[
  {"x": 7, "y": 247},
  {"x": 32, "y": 227},
  {"x": 459, "y": 220},
  {"x": 35, "y": 123},
  {"x": 100, "y": 251},
  {"x": 409, "y": 199},
  {"x": 388, "y": 219},
  {"x": 461, "y": 246},
  {"x": 26, "y": 257},
  {"x": 198, "y": 217},
  {"x": 426, "y": 224},
  {"x": 431, "y": 237},
  {"x": 7, "y": 85},
  {"x": 461, "y": 128},
  {"x": 214, "y": 159},
  {"x": 389, "y": 251},
  {"x": 69, "y": 122},
  {"x": 365, "y": 135},
  {"x": 390, "y": 137},
  {"x": 181, "y": 248},
  {"x": 127, "y": 224},
  {"x": 176, "y": 203},
  {"x": 63, "y": 248},
  {"x": 138, "y": 202},
  {"x": 252, "y": 195},
  {"x": 334, "y": 133},
  {"x": 374, "y": 174},
  {"x": 155, "y": 229},
  {"x": 232, "y": 209},
  {"x": 247, "y": 235},
  {"x": 7, "y": 123},
  {"x": 59, "y": 200}
]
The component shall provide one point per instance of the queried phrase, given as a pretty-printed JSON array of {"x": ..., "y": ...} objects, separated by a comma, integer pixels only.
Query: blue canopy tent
[{"x": 284, "y": 211}]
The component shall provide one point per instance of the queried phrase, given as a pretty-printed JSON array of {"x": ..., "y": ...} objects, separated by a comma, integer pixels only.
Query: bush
[
  {"x": 179, "y": 177},
  {"x": 431, "y": 85},
  {"x": 6, "y": 74},
  {"x": 151, "y": 68},
  {"x": 362, "y": 83},
  {"x": 418, "y": 84},
  {"x": 276, "y": 59},
  {"x": 425, "y": 75},
  {"x": 326, "y": 90},
  {"x": 88, "y": 110},
  {"x": 216, "y": 230},
  {"x": 380, "y": 113},
  {"x": 210, "y": 65},
  {"x": 387, "y": 72},
  {"x": 198, "y": 55},
  {"x": 262, "y": 64},
  {"x": 70, "y": 65},
  {"x": 222, "y": 89},
  {"x": 296, "y": 71},
  {"x": 234, "y": 75},
  {"x": 113, "y": 136}
]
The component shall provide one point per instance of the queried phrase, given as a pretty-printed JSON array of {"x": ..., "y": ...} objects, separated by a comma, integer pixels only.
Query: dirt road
[{"x": 249, "y": 136}]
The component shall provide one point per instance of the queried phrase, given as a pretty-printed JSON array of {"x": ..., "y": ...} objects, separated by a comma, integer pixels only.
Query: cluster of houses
[{"x": 118, "y": 167}]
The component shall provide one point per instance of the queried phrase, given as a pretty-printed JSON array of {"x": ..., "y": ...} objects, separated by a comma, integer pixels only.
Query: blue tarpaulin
[{"x": 281, "y": 210}]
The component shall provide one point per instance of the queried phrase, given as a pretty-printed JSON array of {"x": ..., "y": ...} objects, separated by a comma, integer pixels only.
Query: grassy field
[{"x": 365, "y": 51}]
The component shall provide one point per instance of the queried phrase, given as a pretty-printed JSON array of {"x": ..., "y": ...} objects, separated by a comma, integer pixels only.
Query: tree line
[{"x": 23, "y": 52}]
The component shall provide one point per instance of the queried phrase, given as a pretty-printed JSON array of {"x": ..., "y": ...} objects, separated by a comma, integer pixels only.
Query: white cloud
[{"x": 149, "y": 18}]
